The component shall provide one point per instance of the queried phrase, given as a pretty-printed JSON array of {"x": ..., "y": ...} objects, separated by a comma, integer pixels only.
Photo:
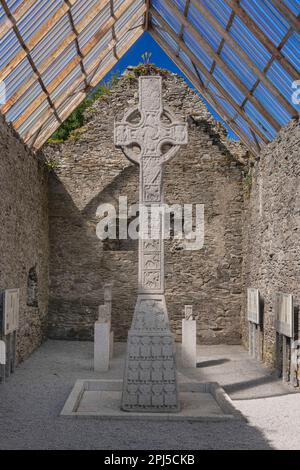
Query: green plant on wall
[
  {"x": 146, "y": 57},
  {"x": 76, "y": 118}
]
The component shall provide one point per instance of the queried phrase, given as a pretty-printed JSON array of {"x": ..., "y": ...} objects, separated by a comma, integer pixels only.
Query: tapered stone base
[{"x": 150, "y": 381}]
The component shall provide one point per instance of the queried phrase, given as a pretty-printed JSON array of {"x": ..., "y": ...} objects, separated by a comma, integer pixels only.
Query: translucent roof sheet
[{"x": 242, "y": 56}]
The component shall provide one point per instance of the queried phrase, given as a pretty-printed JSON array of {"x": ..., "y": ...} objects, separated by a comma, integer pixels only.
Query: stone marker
[
  {"x": 2, "y": 352},
  {"x": 9, "y": 320},
  {"x": 150, "y": 381},
  {"x": 2, "y": 360},
  {"x": 255, "y": 320},
  {"x": 284, "y": 314},
  {"x": 103, "y": 336},
  {"x": 284, "y": 322},
  {"x": 189, "y": 338}
]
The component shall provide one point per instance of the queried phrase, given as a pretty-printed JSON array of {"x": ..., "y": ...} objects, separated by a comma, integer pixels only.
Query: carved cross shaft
[{"x": 157, "y": 136}]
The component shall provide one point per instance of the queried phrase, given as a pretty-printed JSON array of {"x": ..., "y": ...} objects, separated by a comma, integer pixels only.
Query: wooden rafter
[
  {"x": 263, "y": 38},
  {"x": 71, "y": 65},
  {"x": 46, "y": 28},
  {"x": 222, "y": 64},
  {"x": 93, "y": 67},
  {"x": 48, "y": 61},
  {"x": 221, "y": 45},
  {"x": 29, "y": 57},
  {"x": 193, "y": 78},
  {"x": 19, "y": 12},
  {"x": 79, "y": 53},
  {"x": 77, "y": 100},
  {"x": 238, "y": 49},
  {"x": 147, "y": 15},
  {"x": 288, "y": 14},
  {"x": 207, "y": 75},
  {"x": 185, "y": 14}
]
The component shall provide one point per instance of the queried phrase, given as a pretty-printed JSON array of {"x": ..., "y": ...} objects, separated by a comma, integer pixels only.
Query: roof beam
[
  {"x": 27, "y": 52},
  {"x": 206, "y": 73},
  {"x": 288, "y": 14},
  {"x": 20, "y": 11},
  {"x": 262, "y": 37},
  {"x": 46, "y": 28},
  {"x": 147, "y": 16},
  {"x": 62, "y": 46},
  {"x": 75, "y": 61},
  {"x": 238, "y": 49},
  {"x": 79, "y": 53},
  {"x": 220, "y": 48},
  {"x": 94, "y": 81},
  {"x": 229, "y": 72},
  {"x": 77, "y": 100},
  {"x": 205, "y": 93},
  {"x": 185, "y": 14}
]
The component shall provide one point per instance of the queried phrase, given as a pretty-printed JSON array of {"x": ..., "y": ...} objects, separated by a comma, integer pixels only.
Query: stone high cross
[{"x": 150, "y": 382}]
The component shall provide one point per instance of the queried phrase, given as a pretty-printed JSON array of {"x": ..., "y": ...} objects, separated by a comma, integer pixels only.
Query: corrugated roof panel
[
  {"x": 294, "y": 6},
  {"x": 230, "y": 111},
  {"x": 180, "y": 4},
  {"x": 228, "y": 85},
  {"x": 19, "y": 75},
  {"x": 256, "y": 51},
  {"x": 291, "y": 50},
  {"x": 282, "y": 80},
  {"x": 199, "y": 52},
  {"x": 204, "y": 27},
  {"x": 241, "y": 123},
  {"x": 22, "y": 104},
  {"x": 96, "y": 51},
  {"x": 51, "y": 121},
  {"x": 51, "y": 41},
  {"x": 240, "y": 68},
  {"x": 66, "y": 84},
  {"x": 121, "y": 23},
  {"x": 58, "y": 66},
  {"x": 271, "y": 104},
  {"x": 166, "y": 14},
  {"x": 186, "y": 60},
  {"x": 36, "y": 17},
  {"x": 169, "y": 40},
  {"x": 9, "y": 47},
  {"x": 3, "y": 16},
  {"x": 33, "y": 118},
  {"x": 219, "y": 9},
  {"x": 267, "y": 17},
  {"x": 81, "y": 8},
  {"x": 260, "y": 121},
  {"x": 94, "y": 27}
]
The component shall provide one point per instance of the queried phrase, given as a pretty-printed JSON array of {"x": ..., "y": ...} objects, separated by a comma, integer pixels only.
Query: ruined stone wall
[
  {"x": 91, "y": 171},
  {"x": 271, "y": 226},
  {"x": 24, "y": 236}
]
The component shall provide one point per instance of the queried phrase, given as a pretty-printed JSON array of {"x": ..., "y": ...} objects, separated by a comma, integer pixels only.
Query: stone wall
[
  {"x": 271, "y": 224},
  {"x": 24, "y": 236},
  {"x": 91, "y": 171}
]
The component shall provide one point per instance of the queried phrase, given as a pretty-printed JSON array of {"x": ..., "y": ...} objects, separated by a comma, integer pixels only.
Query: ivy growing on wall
[{"x": 76, "y": 118}]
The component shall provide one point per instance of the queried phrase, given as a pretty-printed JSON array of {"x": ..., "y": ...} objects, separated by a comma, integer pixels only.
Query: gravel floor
[{"x": 30, "y": 403}]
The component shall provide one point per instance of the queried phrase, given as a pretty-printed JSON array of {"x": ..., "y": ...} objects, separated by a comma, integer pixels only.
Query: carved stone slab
[
  {"x": 253, "y": 305},
  {"x": 10, "y": 310},
  {"x": 284, "y": 314},
  {"x": 150, "y": 376}
]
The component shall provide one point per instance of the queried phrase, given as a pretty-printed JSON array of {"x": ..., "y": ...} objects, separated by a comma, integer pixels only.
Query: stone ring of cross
[{"x": 150, "y": 134}]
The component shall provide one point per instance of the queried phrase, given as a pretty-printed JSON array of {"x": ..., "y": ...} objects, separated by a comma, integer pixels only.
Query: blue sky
[{"x": 159, "y": 58}]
